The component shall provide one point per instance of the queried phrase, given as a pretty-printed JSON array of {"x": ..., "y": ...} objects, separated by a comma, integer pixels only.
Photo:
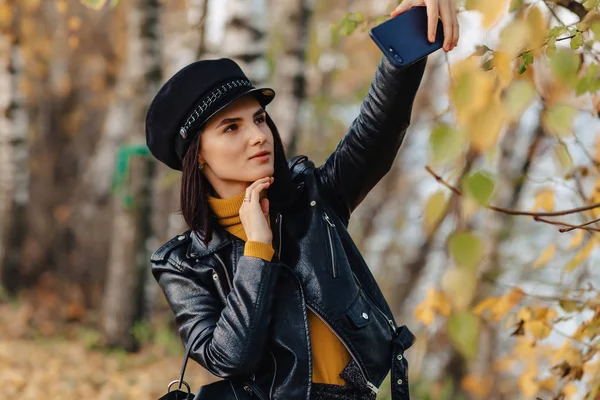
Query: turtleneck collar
[{"x": 227, "y": 211}]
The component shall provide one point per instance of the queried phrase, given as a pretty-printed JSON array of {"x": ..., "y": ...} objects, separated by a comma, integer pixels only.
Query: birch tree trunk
[
  {"x": 128, "y": 259},
  {"x": 14, "y": 155},
  {"x": 245, "y": 39},
  {"x": 291, "y": 21}
]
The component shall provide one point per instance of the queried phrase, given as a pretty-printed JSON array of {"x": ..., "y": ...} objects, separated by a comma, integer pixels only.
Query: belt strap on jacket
[{"x": 399, "y": 375}]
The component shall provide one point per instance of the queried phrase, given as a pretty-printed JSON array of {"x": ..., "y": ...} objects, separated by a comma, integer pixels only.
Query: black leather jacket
[{"x": 248, "y": 317}]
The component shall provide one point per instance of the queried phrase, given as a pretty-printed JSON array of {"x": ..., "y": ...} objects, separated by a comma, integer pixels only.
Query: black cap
[{"x": 187, "y": 100}]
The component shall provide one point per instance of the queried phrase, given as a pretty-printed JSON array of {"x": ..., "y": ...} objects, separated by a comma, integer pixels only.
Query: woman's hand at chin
[{"x": 254, "y": 212}]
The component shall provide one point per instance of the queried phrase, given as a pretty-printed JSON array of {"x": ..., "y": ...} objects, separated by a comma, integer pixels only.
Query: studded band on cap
[{"x": 208, "y": 101}]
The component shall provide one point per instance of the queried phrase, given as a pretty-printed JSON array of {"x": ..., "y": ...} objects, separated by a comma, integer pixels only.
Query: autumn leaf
[
  {"x": 463, "y": 330},
  {"x": 518, "y": 97},
  {"x": 446, "y": 143},
  {"x": 480, "y": 186},
  {"x": 485, "y": 126},
  {"x": 499, "y": 307},
  {"x": 544, "y": 200},
  {"x": 435, "y": 302},
  {"x": 546, "y": 256},
  {"x": 577, "y": 239},
  {"x": 460, "y": 284},
  {"x": 434, "y": 209},
  {"x": 558, "y": 120},
  {"x": 466, "y": 249},
  {"x": 581, "y": 256},
  {"x": 538, "y": 329},
  {"x": 562, "y": 154},
  {"x": 491, "y": 10}
]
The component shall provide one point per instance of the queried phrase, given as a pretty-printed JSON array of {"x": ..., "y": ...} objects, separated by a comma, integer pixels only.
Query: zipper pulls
[
  {"x": 373, "y": 388},
  {"x": 279, "y": 222},
  {"x": 331, "y": 224}
]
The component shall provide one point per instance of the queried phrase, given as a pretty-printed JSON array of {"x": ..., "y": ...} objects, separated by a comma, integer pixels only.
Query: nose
[{"x": 257, "y": 136}]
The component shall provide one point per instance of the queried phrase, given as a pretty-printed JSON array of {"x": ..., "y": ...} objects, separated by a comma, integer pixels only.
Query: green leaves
[
  {"x": 445, "y": 143},
  {"x": 348, "y": 24},
  {"x": 527, "y": 60},
  {"x": 463, "y": 329},
  {"x": 565, "y": 65},
  {"x": 517, "y": 98},
  {"x": 480, "y": 187},
  {"x": 466, "y": 249},
  {"x": 558, "y": 120}
]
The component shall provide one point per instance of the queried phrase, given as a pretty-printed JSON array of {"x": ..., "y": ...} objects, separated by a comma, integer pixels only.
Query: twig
[
  {"x": 569, "y": 229},
  {"x": 518, "y": 212},
  {"x": 442, "y": 181},
  {"x": 554, "y": 13},
  {"x": 547, "y": 221}
]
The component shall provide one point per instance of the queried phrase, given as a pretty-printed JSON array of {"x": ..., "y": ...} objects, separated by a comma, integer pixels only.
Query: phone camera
[{"x": 395, "y": 55}]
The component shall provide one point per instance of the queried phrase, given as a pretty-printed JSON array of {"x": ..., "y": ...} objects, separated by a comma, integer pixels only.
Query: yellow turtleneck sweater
[{"x": 329, "y": 355}]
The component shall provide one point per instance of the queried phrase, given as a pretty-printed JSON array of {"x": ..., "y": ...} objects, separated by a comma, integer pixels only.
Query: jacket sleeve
[
  {"x": 367, "y": 151},
  {"x": 229, "y": 338}
]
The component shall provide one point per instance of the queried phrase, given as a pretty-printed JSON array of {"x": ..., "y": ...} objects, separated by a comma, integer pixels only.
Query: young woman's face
[{"x": 237, "y": 147}]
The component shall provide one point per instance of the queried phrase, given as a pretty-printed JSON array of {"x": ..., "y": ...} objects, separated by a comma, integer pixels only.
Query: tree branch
[
  {"x": 519, "y": 212},
  {"x": 573, "y": 6}
]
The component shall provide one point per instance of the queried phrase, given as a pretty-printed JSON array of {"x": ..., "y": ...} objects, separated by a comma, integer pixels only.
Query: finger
[
  {"x": 264, "y": 206},
  {"x": 403, "y": 7},
  {"x": 255, "y": 194},
  {"x": 455, "y": 32},
  {"x": 432, "y": 19},
  {"x": 448, "y": 24},
  {"x": 257, "y": 182}
]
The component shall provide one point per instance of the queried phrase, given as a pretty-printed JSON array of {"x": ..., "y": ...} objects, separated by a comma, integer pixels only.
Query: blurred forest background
[{"x": 483, "y": 235}]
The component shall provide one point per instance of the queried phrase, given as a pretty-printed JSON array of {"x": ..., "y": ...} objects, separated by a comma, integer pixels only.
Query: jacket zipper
[
  {"x": 371, "y": 386},
  {"x": 331, "y": 250},
  {"x": 278, "y": 221},
  {"x": 388, "y": 319}
]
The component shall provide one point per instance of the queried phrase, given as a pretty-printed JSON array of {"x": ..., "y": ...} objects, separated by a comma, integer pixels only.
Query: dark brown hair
[{"x": 195, "y": 188}]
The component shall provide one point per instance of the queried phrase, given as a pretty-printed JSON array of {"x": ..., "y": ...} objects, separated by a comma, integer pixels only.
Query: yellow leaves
[
  {"x": 486, "y": 125},
  {"x": 537, "y": 26},
  {"x": 538, "y": 329},
  {"x": 463, "y": 330},
  {"x": 546, "y": 256},
  {"x": 544, "y": 200},
  {"x": 567, "y": 353},
  {"x": 517, "y": 98},
  {"x": 491, "y": 10},
  {"x": 581, "y": 255},
  {"x": 472, "y": 89},
  {"x": 513, "y": 38},
  {"x": 528, "y": 383},
  {"x": 435, "y": 302},
  {"x": 500, "y": 306},
  {"x": 460, "y": 284},
  {"x": 434, "y": 209},
  {"x": 477, "y": 386},
  {"x": 577, "y": 239},
  {"x": 537, "y": 321},
  {"x": 61, "y": 6},
  {"x": 558, "y": 119}
]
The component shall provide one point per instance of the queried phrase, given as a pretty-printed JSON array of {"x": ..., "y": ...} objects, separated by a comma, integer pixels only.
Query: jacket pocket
[
  {"x": 360, "y": 312},
  {"x": 330, "y": 227}
]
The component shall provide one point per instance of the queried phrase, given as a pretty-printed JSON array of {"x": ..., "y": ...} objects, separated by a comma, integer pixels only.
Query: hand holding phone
[
  {"x": 442, "y": 9},
  {"x": 404, "y": 40}
]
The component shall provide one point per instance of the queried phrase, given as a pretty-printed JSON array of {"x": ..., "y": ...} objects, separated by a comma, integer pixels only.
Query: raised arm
[
  {"x": 231, "y": 336},
  {"x": 368, "y": 149}
]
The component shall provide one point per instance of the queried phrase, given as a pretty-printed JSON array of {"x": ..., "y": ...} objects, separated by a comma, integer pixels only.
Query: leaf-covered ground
[{"x": 68, "y": 366}]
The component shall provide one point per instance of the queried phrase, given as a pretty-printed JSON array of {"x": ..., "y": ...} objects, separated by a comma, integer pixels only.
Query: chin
[{"x": 261, "y": 172}]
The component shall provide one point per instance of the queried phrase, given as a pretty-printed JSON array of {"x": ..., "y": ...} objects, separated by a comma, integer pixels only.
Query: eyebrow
[{"x": 236, "y": 119}]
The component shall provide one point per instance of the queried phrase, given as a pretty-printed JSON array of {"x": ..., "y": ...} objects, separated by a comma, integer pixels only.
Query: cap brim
[{"x": 263, "y": 95}]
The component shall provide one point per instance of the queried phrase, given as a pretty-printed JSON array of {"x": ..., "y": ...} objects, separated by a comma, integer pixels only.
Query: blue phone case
[{"x": 403, "y": 39}]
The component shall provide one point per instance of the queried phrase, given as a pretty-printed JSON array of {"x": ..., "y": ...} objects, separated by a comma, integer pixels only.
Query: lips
[{"x": 260, "y": 154}]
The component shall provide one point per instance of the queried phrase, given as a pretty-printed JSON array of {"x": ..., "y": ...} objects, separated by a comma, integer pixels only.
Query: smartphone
[{"x": 403, "y": 39}]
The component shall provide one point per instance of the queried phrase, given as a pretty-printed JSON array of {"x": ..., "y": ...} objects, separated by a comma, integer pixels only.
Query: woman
[{"x": 267, "y": 287}]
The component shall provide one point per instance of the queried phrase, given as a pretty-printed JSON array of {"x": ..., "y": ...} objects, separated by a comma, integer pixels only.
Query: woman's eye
[
  {"x": 259, "y": 120},
  {"x": 231, "y": 128}
]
